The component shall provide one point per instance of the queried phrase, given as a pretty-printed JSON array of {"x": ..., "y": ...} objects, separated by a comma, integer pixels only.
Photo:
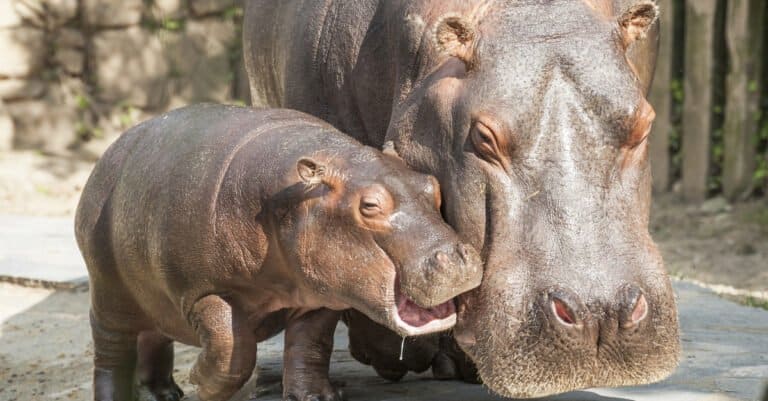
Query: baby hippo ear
[
  {"x": 310, "y": 171},
  {"x": 637, "y": 20}
]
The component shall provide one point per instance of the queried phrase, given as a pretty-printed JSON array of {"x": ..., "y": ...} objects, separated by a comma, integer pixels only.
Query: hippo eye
[
  {"x": 484, "y": 141},
  {"x": 370, "y": 206}
]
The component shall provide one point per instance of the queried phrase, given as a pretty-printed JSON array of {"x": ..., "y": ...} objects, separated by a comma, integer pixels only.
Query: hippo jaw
[{"x": 411, "y": 319}]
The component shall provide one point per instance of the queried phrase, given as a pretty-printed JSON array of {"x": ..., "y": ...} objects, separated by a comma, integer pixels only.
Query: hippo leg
[
  {"x": 452, "y": 363},
  {"x": 155, "y": 367},
  {"x": 229, "y": 349},
  {"x": 384, "y": 353},
  {"x": 114, "y": 361},
  {"x": 307, "y": 357}
]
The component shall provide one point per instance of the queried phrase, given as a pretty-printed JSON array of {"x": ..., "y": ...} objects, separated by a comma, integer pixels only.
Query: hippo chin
[{"x": 533, "y": 117}]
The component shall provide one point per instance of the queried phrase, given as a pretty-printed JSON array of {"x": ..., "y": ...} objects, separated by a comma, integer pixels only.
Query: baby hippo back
[{"x": 168, "y": 200}]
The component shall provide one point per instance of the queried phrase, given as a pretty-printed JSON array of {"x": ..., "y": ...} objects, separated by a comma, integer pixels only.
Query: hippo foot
[
  {"x": 390, "y": 374},
  {"x": 451, "y": 367},
  {"x": 168, "y": 391},
  {"x": 331, "y": 392},
  {"x": 444, "y": 368}
]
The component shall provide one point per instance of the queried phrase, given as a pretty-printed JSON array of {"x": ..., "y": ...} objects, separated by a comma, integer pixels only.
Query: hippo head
[
  {"x": 533, "y": 117},
  {"x": 369, "y": 235}
]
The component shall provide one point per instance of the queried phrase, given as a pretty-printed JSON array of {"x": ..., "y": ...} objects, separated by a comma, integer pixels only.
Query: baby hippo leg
[
  {"x": 229, "y": 349},
  {"x": 114, "y": 361},
  {"x": 307, "y": 356},
  {"x": 155, "y": 368}
]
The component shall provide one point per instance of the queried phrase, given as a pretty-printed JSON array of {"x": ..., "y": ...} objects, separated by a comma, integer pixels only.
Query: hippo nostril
[
  {"x": 634, "y": 308},
  {"x": 563, "y": 312},
  {"x": 639, "y": 312}
]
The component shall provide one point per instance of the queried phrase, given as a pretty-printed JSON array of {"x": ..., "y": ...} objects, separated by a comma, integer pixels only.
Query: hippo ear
[
  {"x": 637, "y": 20},
  {"x": 455, "y": 37},
  {"x": 310, "y": 171}
]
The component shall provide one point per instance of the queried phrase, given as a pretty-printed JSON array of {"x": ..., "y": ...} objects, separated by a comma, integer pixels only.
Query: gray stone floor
[
  {"x": 725, "y": 344},
  {"x": 40, "y": 248}
]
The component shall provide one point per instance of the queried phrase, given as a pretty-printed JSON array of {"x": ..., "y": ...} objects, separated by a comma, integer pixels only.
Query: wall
[{"x": 76, "y": 73}]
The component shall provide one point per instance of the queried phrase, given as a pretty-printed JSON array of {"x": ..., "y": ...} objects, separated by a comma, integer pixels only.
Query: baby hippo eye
[
  {"x": 376, "y": 204},
  {"x": 370, "y": 206}
]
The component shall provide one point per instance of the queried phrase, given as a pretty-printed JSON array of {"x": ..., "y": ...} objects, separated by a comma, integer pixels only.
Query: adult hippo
[{"x": 533, "y": 117}]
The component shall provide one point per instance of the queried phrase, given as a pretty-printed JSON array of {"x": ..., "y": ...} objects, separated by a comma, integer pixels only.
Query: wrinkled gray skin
[{"x": 533, "y": 117}]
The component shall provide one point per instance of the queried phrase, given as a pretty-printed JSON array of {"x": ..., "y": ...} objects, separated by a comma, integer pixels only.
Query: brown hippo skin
[
  {"x": 532, "y": 115},
  {"x": 220, "y": 226}
]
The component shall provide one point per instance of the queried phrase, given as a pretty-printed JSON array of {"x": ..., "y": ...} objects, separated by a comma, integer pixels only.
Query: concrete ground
[{"x": 45, "y": 347}]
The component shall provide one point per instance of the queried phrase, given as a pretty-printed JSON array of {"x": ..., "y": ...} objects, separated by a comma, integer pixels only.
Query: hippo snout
[
  {"x": 447, "y": 272},
  {"x": 601, "y": 321},
  {"x": 569, "y": 336}
]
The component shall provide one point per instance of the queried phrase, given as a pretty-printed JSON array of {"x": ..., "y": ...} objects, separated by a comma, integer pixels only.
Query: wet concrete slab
[{"x": 725, "y": 345}]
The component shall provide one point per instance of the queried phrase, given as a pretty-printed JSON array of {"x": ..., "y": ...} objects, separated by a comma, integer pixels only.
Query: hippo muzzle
[{"x": 424, "y": 296}]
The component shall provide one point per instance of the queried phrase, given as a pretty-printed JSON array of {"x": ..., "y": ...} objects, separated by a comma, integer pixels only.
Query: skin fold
[
  {"x": 532, "y": 115},
  {"x": 219, "y": 227}
]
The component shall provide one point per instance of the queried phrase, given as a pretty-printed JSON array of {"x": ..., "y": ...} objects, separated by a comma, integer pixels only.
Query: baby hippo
[{"x": 220, "y": 226}]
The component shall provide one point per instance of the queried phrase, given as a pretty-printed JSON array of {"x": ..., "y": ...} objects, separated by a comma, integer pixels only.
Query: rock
[
  {"x": 715, "y": 205},
  {"x": 6, "y": 128},
  {"x": 43, "y": 125},
  {"x": 50, "y": 124},
  {"x": 19, "y": 88},
  {"x": 23, "y": 51},
  {"x": 8, "y": 16},
  {"x": 72, "y": 38},
  {"x": 130, "y": 66},
  {"x": 110, "y": 14},
  {"x": 746, "y": 249},
  {"x": 45, "y": 13},
  {"x": 175, "y": 9},
  {"x": 200, "y": 60},
  {"x": 204, "y": 7},
  {"x": 70, "y": 60},
  {"x": 69, "y": 55}
]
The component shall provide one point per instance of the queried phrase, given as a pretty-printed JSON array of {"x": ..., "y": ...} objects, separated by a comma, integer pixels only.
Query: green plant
[
  {"x": 82, "y": 101},
  {"x": 676, "y": 88},
  {"x": 233, "y": 12},
  {"x": 126, "y": 115},
  {"x": 171, "y": 24},
  {"x": 756, "y": 302}
]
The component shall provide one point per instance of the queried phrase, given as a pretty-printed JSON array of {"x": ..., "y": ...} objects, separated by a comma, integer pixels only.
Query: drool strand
[{"x": 402, "y": 347}]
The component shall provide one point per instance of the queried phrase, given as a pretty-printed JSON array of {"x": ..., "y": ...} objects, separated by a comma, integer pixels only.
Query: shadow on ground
[{"x": 46, "y": 351}]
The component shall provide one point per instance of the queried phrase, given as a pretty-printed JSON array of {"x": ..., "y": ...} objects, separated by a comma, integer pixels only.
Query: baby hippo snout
[{"x": 448, "y": 271}]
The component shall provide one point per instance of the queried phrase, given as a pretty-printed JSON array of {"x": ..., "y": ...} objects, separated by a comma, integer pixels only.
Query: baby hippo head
[{"x": 368, "y": 234}]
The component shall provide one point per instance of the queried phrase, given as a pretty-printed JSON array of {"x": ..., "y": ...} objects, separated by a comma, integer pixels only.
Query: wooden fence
[{"x": 709, "y": 94}]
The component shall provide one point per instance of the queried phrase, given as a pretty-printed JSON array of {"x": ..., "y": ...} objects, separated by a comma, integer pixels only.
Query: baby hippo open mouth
[
  {"x": 424, "y": 294},
  {"x": 422, "y": 320}
]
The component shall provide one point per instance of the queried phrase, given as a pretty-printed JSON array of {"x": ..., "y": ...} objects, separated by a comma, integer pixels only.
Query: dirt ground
[
  {"x": 722, "y": 245},
  {"x": 716, "y": 243}
]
